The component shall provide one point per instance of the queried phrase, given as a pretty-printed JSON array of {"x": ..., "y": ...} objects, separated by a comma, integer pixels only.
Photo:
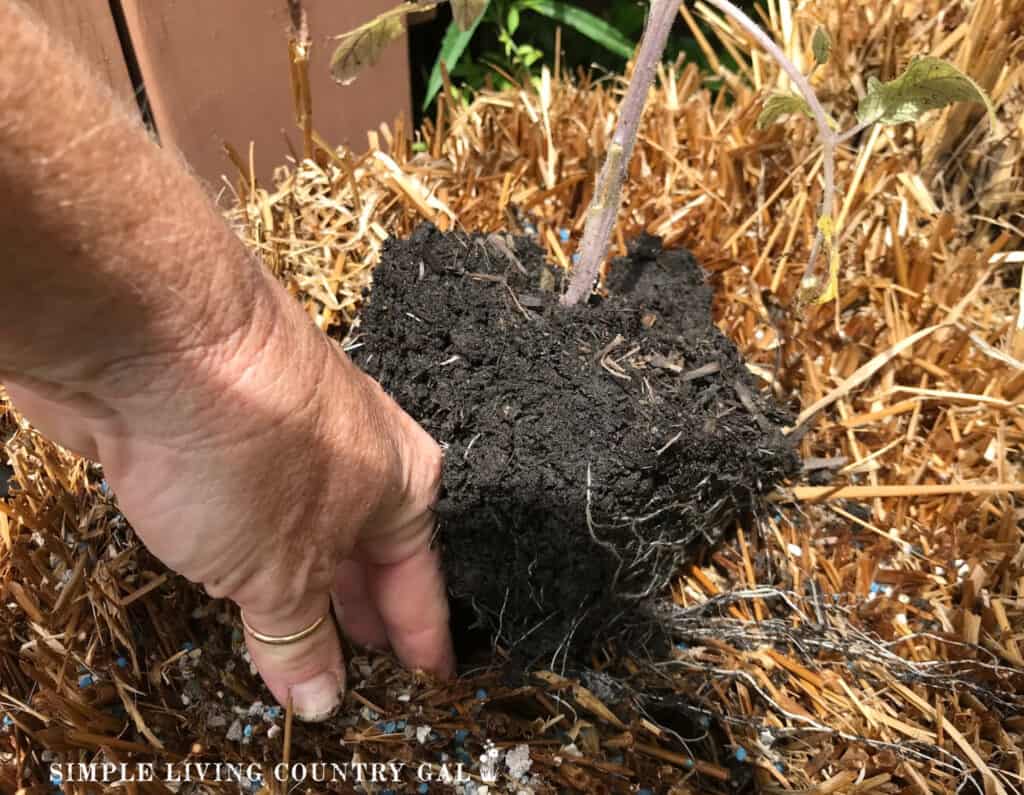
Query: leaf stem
[
  {"x": 825, "y": 133},
  {"x": 846, "y": 136}
]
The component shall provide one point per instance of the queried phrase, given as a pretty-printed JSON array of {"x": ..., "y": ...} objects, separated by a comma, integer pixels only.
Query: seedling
[{"x": 928, "y": 83}]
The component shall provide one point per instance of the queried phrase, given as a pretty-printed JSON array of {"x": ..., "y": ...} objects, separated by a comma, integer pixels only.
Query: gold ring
[{"x": 282, "y": 640}]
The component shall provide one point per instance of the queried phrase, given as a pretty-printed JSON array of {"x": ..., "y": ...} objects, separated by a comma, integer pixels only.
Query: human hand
[
  {"x": 270, "y": 469},
  {"x": 248, "y": 452}
]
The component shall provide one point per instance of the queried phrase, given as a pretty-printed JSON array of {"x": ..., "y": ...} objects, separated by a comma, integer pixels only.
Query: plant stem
[
  {"x": 846, "y": 136},
  {"x": 604, "y": 207},
  {"x": 299, "y": 44},
  {"x": 825, "y": 133}
]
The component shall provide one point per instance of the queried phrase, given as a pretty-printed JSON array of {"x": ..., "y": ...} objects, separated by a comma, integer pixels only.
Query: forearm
[
  {"x": 117, "y": 269},
  {"x": 110, "y": 251},
  {"x": 248, "y": 452}
]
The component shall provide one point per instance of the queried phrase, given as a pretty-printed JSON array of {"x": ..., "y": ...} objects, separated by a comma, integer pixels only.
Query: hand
[
  {"x": 270, "y": 469},
  {"x": 248, "y": 452}
]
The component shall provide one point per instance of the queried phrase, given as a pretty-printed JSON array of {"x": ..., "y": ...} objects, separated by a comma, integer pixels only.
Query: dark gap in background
[{"x": 132, "y": 62}]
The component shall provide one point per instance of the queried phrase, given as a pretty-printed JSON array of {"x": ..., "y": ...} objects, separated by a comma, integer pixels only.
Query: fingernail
[{"x": 319, "y": 698}]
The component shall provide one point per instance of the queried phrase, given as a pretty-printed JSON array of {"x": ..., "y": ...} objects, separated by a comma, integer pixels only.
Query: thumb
[{"x": 310, "y": 670}]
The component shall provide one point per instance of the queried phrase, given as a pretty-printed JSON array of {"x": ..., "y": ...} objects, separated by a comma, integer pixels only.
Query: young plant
[{"x": 927, "y": 84}]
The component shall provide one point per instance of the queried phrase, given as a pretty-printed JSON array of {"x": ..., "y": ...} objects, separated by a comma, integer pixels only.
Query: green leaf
[
  {"x": 506, "y": 41},
  {"x": 467, "y": 13},
  {"x": 452, "y": 48},
  {"x": 822, "y": 46},
  {"x": 927, "y": 84},
  {"x": 363, "y": 46},
  {"x": 594, "y": 28},
  {"x": 512, "y": 23},
  {"x": 779, "y": 105},
  {"x": 528, "y": 55}
]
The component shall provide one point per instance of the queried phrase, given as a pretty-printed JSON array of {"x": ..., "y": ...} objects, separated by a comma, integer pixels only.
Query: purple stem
[{"x": 604, "y": 208}]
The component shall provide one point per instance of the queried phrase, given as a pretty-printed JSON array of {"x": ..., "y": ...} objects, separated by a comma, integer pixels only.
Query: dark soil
[{"x": 589, "y": 451}]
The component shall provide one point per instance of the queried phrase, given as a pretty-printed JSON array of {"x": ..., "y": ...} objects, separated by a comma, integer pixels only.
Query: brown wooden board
[{"x": 219, "y": 72}]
